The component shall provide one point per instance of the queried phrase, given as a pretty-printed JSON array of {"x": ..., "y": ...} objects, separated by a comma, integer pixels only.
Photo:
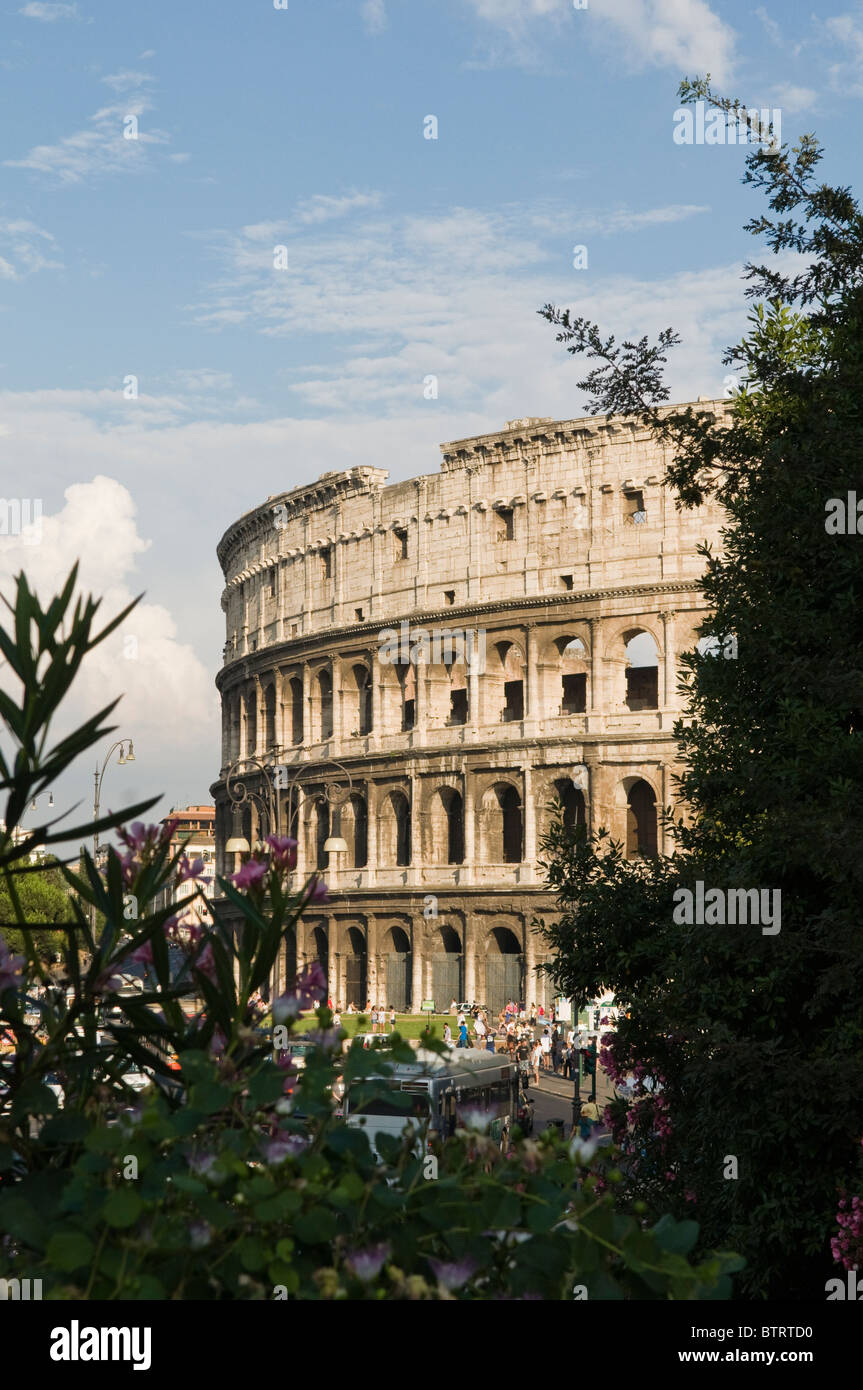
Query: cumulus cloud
[
  {"x": 682, "y": 35},
  {"x": 168, "y": 704}
]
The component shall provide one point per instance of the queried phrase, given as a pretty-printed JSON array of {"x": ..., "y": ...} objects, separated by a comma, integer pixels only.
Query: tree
[
  {"x": 44, "y": 899},
  {"x": 756, "y": 1037}
]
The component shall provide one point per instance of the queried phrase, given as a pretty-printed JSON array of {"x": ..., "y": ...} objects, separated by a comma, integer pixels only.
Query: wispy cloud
[
  {"x": 127, "y": 80},
  {"x": 103, "y": 148},
  {"x": 682, "y": 35},
  {"x": 49, "y": 14},
  {"x": 625, "y": 220},
  {"x": 374, "y": 16},
  {"x": 25, "y": 248}
]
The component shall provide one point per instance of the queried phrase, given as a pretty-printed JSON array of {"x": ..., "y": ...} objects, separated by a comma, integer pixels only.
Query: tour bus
[{"x": 444, "y": 1089}]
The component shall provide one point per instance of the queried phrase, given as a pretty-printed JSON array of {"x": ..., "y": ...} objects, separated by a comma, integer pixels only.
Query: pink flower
[
  {"x": 185, "y": 870},
  {"x": 367, "y": 1264},
  {"x": 142, "y": 954},
  {"x": 250, "y": 874},
  {"x": 284, "y": 851},
  {"x": 453, "y": 1273},
  {"x": 284, "y": 1145},
  {"x": 312, "y": 985},
  {"x": 317, "y": 891},
  {"x": 206, "y": 963}
]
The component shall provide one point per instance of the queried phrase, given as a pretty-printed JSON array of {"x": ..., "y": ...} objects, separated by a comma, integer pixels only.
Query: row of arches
[
  {"x": 402, "y": 975},
  {"x": 499, "y": 825},
  {"x": 351, "y": 698}
]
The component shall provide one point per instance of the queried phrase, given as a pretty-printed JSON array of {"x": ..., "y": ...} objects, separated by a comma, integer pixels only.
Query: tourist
[
  {"x": 532, "y": 1016},
  {"x": 453, "y": 1008},
  {"x": 545, "y": 1044},
  {"x": 392, "y": 1019},
  {"x": 462, "y": 1034},
  {"x": 536, "y": 1059},
  {"x": 447, "y": 1033}
]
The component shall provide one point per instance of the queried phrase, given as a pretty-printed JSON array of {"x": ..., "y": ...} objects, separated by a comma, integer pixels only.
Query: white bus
[{"x": 444, "y": 1090}]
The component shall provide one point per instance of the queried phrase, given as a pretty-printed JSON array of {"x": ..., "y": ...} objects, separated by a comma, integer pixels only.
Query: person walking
[
  {"x": 462, "y": 1034},
  {"x": 447, "y": 1033},
  {"x": 392, "y": 1019},
  {"x": 545, "y": 1045},
  {"x": 535, "y": 1061}
]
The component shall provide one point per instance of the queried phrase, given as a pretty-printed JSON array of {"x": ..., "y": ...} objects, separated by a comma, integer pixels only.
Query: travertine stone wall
[{"x": 528, "y": 539}]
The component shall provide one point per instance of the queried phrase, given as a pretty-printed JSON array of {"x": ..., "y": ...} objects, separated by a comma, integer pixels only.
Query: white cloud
[
  {"x": 455, "y": 296},
  {"x": 49, "y": 13},
  {"x": 25, "y": 248},
  {"x": 846, "y": 32},
  {"x": 100, "y": 149},
  {"x": 684, "y": 36},
  {"x": 625, "y": 220},
  {"x": 168, "y": 704},
  {"x": 374, "y": 16},
  {"x": 127, "y": 80},
  {"x": 791, "y": 98}
]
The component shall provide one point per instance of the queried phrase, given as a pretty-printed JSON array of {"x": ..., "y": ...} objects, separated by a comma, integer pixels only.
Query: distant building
[{"x": 195, "y": 835}]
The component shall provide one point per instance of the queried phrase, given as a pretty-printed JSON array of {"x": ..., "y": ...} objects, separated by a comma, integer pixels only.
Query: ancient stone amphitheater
[{"x": 419, "y": 669}]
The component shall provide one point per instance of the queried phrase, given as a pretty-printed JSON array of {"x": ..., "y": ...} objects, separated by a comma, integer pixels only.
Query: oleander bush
[{"x": 233, "y": 1174}]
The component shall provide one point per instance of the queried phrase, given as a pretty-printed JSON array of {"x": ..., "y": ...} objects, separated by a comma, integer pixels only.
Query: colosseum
[{"x": 413, "y": 673}]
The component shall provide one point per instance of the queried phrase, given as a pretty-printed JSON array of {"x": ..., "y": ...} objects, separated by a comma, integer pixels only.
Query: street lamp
[{"x": 126, "y": 755}]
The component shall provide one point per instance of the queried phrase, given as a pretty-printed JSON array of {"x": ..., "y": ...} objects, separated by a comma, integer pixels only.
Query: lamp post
[
  {"x": 334, "y": 795},
  {"x": 127, "y": 755}
]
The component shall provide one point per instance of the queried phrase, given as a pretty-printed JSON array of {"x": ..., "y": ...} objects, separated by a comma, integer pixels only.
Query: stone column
[
  {"x": 529, "y": 812},
  {"x": 530, "y": 977},
  {"x": 473, "y": 696},
  {"x": 372, "y": 831},
  {"x": 469, "y": 823},
  {"x": 669, "y": 691},
  {"x": 417, "y": 965},
  {"x": 372, "y": 962},
  {"x": 337, "y": 669},
  {"x": 307, "y": 704},
  {"x": 421, "y": 698},
  {"x": 375, "y": 678},
  {"x": 531, "y": 675},
  {"x": 470, "y": 961},
  {"x": 333, "y": 963},
  {"x": 593, "y": 702}
]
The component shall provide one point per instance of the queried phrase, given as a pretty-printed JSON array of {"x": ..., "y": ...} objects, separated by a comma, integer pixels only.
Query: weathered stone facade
[{"x": 556, "y": 543}]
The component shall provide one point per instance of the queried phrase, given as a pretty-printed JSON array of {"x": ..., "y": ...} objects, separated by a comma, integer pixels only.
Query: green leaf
[
  {"x": 122, "y": 1208},
  {"x": 69, "y": 1250}
]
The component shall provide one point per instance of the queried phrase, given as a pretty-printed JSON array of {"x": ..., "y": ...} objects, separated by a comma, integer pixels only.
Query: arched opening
[
  {"x": 396, "y": 830},
  {"x": 324, "y": 684},
  {"x": 355, "y": 968},
  {"x": 320, "y": 948},
  {"x": 446, "y": 967},
  {"x": 407, "y": 679},
  {"x": 573, "y": 675},
  {"x": 360, "y": 711},
  {"x": 503, "y": 969},
  {"x": 513, "y": 683},
  {"x": 642, "y": 671},
  {"x": 501, "y": 825},
  {"x": 295, "y": 704},
  {"x": 572, "y": 800},
  {"x": 322, "y": 833},
  {"x": 641, "y": 837},
  {"x": 446, "y": 827},
  {"x": 250, "y": 724},
  {"x": 354, "y": 826},
  {"x": 396, "y": 948},
  {"x": 269, "y": 717}
]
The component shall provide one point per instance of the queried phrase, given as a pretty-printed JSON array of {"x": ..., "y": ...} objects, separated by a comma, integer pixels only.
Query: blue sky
[{"x": 303, "y": 127}]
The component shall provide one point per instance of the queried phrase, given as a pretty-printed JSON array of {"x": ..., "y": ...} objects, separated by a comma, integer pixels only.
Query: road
[{"x": 552, "y": 1100}]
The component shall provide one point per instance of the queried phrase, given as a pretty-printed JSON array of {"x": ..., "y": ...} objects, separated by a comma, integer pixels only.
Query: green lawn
[{"x": 409, "y": 1025}]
